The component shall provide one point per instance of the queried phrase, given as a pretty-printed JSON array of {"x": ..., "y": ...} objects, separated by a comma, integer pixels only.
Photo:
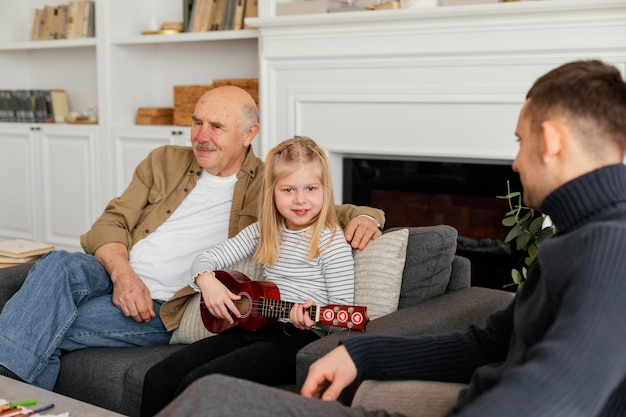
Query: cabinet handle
[{"x": 33, "y": 128}]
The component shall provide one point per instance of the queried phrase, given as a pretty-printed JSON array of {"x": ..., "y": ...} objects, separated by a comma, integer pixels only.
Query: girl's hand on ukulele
[
  {"x": 299, "y": 317},
  {"x": 219, "y": 300}
]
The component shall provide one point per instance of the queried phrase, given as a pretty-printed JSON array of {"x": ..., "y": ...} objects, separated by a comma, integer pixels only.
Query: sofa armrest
[
  {"x": 460, "y": 275},
  {"x": 453, "y": 311},
  {"x": 408, "y": 398},
  {"x": 11, "y": 279}
]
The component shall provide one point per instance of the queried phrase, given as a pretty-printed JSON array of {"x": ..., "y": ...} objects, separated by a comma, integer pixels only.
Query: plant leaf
[
  {"x": 513, "y": 233},
  {"x": 523, "y": 239},
  {"x": 535, "y": 226},
  {"x": 509, "y": 221}
]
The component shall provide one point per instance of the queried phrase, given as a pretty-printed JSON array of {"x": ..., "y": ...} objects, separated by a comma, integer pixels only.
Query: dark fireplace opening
[{"x": 426, "y": 193}]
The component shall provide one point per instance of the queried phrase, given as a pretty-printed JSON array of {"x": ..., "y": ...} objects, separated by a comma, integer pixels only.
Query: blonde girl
[{"x": 303, "y": 251}]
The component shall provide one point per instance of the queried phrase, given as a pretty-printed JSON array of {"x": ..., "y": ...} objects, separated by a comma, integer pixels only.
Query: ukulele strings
[{"x": 273, "y": 305}]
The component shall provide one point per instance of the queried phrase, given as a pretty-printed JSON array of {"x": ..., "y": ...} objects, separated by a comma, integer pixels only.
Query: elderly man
[
  {"x": 558, "y": 350},
  {"x": 181, "y": 201}
]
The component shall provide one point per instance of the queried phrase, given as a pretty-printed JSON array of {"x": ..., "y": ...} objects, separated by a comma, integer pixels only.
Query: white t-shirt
[{"x": 163, "y": 258}]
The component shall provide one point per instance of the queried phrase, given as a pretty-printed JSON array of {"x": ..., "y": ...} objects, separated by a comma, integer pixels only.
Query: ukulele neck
[{"x": 280, "y": 309}]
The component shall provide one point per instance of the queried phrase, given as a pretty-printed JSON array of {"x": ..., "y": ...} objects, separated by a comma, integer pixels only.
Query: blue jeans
[{"x": 65, "y": 304}]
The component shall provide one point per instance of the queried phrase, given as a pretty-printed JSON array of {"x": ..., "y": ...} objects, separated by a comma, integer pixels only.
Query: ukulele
[{"x": 260, "y": 306}]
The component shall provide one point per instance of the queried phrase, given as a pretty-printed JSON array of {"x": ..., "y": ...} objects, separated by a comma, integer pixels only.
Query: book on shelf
[
  {"x": 22, "y": 102},
  {"x": 59, "y": 105},
  {"x": 220, "y": 6},
  {"x": 49, "y": 13},
  {"x": 187, "y": 12},
  {"x": 228, "y": 15},
  {"x": 34, "y": 31},
  {"x": 57, "y": 27},
  {"x": 251, "y": 10},
  {"x": 240, "y": 8},
  {"x": 20, "y": 248},
  {"x": 203, "y": 15},
  {"x": 71, "y": 20},
  {"x": 91, "y": 20},
  {"x": 6, "y": 111},
  {"x": 41, "y": 106}
]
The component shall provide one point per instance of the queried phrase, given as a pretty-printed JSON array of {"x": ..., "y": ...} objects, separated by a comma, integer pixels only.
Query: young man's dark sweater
[{"x": 560, "y": 348}]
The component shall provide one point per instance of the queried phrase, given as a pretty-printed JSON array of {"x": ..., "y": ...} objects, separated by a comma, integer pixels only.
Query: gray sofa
[{"x": 435, "y": 297}]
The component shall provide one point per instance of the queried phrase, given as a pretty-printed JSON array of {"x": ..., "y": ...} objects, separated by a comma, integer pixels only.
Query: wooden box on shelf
[
  {"x": 186, "y": 96},
  {"x": 185, "y": 99},
  {"x": 154, "y": 116}
]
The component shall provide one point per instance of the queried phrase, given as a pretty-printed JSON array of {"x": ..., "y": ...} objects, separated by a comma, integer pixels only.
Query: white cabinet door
[
  {"x": 133, "y": 143},
  {"x": 17, "y": 183},
  {"x": 48, "y": 182},
  {"x": 68, "y": 167}
]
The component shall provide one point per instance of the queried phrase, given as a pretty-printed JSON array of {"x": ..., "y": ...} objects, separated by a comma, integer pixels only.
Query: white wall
[{"x": 440, "y": 83}]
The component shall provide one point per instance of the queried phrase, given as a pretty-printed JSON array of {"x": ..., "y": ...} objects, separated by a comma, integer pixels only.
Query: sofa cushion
[
  {"x": 430, "y": 251},
  {"x": 378, "y": 273},
  {"x": 191, "y": 328},
  {"x": 408, "y": 398}
]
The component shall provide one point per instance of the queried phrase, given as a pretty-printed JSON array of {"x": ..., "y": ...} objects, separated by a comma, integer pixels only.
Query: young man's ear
[{"x": 552, "y": 138}]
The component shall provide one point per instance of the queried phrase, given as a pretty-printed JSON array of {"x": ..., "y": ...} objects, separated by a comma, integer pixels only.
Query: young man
[
  {"x": 180, "y": 202},
  {"x": 558, "y": 350}
]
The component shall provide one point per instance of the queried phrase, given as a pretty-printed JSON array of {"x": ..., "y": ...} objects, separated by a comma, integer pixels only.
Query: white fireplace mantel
[{"x": 443, "y": 83}]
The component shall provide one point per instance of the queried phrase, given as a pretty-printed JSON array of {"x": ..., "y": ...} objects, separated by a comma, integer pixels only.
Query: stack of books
[
  {"x": 19, "y": 251},
  {"x": 34, "y": 106},
  {"x": 210, "y": 15},
  {"x": 66, "y": 21}
]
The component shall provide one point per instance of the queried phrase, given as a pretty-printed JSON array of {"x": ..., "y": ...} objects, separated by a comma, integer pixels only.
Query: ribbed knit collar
[{"x": 592, "y": 196}]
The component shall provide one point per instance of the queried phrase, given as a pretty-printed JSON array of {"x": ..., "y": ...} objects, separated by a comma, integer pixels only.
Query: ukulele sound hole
[{"x": 244, "y": 305}]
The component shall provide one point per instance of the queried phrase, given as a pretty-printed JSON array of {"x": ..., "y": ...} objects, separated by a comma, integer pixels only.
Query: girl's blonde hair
[{"x": 282, "y": 160}]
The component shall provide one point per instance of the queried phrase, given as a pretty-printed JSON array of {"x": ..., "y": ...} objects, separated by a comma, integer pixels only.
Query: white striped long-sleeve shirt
[{"x": 326, "y": 279}]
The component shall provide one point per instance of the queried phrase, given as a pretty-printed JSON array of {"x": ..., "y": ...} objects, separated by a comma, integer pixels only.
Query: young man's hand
[{"x": 336, "y": 368}]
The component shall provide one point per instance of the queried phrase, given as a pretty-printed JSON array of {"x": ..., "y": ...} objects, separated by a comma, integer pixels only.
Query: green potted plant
[{"x": 528, "y": 229}]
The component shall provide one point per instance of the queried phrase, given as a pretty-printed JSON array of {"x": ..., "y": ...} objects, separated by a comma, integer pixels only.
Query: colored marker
[
  {"x": 40, "y": 410},
  {"x": 20, "y": 403}
]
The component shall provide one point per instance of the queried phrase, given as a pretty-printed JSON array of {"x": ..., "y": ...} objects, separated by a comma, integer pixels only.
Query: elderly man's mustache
[{"x": 205, "y": 146}]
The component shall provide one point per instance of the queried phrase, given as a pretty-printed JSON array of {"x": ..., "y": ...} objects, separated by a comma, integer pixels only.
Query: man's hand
[
  {"x": 130, "y": 294},
  {"x": 336, "y": 368},
  {"x": 360, "y": 231},
  {"x": 218, "y": 299},
  {"x": 132, "y": 297}
]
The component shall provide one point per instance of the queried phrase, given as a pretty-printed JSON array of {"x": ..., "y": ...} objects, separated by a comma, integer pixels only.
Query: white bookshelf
[{"x": 116, "y": 72}]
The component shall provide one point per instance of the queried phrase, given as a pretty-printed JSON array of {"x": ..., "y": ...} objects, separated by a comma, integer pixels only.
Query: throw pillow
[
  {"x": 428, "y": 266},
  {"x": 378, "y": 273},
  {"x": 191, "y": 327}
]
